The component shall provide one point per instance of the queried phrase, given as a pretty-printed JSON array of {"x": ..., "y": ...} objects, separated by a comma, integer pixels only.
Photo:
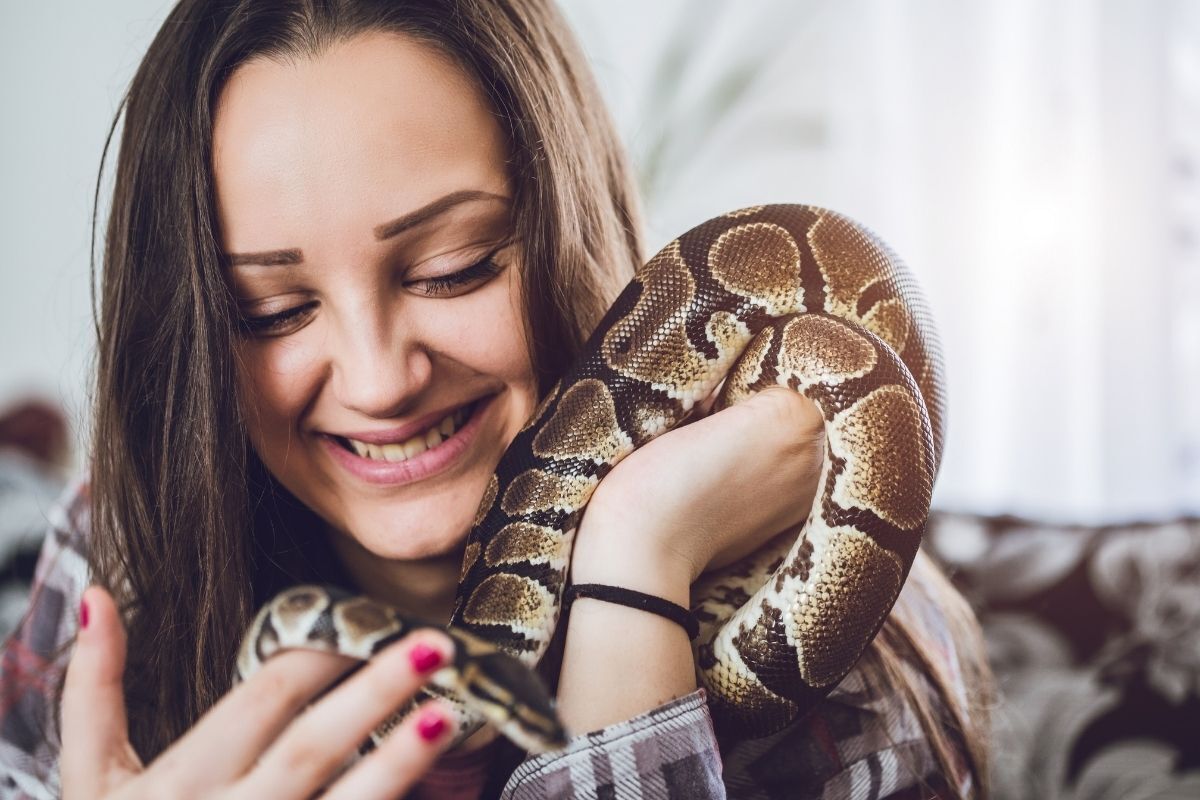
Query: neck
[{"x": 423, "y": 587}]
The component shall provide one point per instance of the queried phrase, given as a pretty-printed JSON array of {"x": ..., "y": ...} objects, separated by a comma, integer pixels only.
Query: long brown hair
[
  {"x": 189, "y": 531},
  {"x": 907, "y": 658}
]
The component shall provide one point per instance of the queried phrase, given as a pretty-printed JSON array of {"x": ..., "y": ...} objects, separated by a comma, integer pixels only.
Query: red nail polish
[
  {"x": 424, "y": 658},
  {"x": 431, "y": 725},
  {"x": 83, "y": 614}
]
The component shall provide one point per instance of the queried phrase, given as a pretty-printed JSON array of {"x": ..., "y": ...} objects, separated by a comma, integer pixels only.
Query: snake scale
[{"x": 775, "y": 295}]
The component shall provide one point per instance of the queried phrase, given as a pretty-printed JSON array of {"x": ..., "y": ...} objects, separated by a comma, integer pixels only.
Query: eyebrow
[{"x": 294, "y": 255}]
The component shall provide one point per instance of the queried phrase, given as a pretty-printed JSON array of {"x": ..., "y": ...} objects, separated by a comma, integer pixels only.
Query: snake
[{"x": 775, "y": 295}]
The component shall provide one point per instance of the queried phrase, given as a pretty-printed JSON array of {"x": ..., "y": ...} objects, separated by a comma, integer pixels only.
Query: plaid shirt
[{"x": 858, "y": 743}]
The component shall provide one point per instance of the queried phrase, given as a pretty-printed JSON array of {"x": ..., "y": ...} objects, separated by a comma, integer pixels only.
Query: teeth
[{"x": 414, "y": 446}]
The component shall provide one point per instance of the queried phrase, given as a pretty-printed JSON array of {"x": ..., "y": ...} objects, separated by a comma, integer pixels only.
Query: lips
[
  {"x": 395, "y": 446},
  {"x": 409, "y": 453}
]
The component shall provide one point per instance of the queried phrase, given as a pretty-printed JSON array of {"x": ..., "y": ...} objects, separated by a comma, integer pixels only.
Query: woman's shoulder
[
  {"x": 70, "y": 517},
  {"x": 62, "y": 568},
  {"x": 34, "y": 656}
]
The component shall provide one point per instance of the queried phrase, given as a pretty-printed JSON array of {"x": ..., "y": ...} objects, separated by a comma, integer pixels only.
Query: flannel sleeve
[
  {"x": 35, "y": 655},
  {"x": 669, "y": 752}
]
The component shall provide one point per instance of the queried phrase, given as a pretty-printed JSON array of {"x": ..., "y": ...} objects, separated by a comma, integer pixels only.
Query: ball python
[{"x": 774, "y": 295}]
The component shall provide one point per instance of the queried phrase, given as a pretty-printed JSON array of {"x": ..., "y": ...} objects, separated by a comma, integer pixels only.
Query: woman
[{"x": 351, "y": 245}]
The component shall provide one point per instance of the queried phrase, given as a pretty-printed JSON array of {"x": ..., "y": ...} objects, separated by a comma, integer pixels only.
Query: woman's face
[{"x": 365, "y": 209}]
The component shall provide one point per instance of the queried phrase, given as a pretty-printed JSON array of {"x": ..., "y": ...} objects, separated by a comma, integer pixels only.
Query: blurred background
[{"x": 1036, "y": 162}]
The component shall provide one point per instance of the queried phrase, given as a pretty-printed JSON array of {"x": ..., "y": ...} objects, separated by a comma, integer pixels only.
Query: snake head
[{"x": 504, "y": 691}]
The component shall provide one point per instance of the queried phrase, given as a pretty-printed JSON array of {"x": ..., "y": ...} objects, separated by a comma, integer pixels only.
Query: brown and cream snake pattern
[{"x": 777, "y": 295}]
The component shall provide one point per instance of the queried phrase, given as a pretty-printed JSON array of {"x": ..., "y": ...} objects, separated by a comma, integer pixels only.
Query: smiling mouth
[{"x": 413, "y": 446}]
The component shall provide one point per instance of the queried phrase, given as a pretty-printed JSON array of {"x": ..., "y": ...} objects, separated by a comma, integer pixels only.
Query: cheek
[
  {"x": 275, "y": 380},
  {"x": 486, "y": 331}
]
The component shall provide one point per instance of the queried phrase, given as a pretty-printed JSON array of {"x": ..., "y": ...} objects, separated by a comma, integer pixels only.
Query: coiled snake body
[{"x": 778, "y": 295}]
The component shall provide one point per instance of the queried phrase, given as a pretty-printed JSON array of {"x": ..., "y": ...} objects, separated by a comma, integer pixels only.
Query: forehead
[{"x": 376, "y": 126}]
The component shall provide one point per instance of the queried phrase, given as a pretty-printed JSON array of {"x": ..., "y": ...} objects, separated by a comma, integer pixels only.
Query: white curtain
[{"x": 1037, "y": 163}]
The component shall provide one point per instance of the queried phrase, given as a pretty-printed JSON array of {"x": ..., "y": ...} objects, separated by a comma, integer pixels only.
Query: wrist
[
  {"x": 619, "y": 662},
  {"x": 601, "y": 684},
  {"x": 614, "y": 552},
  {"x": 630, "y": 598}
]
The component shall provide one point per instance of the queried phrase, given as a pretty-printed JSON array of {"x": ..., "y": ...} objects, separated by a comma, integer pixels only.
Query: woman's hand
[
  {"x": 703, "y": 495},
  {"x": 259, "y": 741},
  {"x": 696, "y": 498}
]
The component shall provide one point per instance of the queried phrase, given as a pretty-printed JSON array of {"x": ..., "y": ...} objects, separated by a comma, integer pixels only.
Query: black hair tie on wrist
[{"x": 633, "y": 599}]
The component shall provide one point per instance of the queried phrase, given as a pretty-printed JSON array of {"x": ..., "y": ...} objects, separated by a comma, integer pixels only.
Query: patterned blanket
[{"x": 1094, "y": 637}]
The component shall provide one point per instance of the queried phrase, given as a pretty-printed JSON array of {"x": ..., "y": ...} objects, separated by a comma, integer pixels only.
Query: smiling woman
[
  {"x": 331, "y": 293},
  {"x": 352, "y": 245}
]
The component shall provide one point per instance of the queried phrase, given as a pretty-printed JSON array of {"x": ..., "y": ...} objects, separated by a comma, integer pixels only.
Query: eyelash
[
  {"x": 481, "y": 270},
  {"x": 258, "y": 326}
]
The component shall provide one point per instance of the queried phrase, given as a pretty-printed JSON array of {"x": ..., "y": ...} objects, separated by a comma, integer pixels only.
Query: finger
[
  {"x": 318, "y": 744},
  {"x": 227, "y": 741},
  {"x": 792, "y": 410},
  {"x": 403, "y": 758},
  {"x": 96, "y": 753}
]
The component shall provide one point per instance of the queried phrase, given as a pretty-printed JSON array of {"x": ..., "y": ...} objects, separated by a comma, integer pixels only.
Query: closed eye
[
  {"x": 441, "y": 285},
  {"x": 271, "y": 324},
  {"x": 437, "y": 286}
]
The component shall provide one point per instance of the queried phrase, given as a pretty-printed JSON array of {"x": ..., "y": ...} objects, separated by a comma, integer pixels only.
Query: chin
[{"x": 408, "y": 545}]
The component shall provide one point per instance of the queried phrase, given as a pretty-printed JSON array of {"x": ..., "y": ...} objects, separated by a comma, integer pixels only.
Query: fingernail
[
  {"x": 431, "y": 725},
  {"x": 424, "y": 658},
  {"x": 83, "y": 614}
]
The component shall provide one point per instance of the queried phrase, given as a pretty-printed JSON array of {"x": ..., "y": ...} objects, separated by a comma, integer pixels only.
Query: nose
[{"x": 380, "y": 366}]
